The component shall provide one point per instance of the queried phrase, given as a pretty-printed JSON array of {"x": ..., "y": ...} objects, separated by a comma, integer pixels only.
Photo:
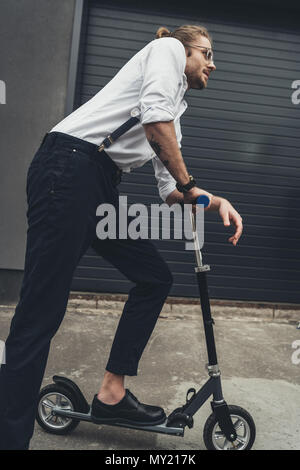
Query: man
[{"x": 67, "y": 180}]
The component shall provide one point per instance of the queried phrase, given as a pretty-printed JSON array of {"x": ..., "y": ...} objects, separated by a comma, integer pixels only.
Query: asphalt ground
[{"x": 260, "y": 370}]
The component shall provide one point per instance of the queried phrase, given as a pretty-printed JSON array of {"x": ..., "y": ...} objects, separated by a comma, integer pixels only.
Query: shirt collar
[{"x": 185, "y": 83}]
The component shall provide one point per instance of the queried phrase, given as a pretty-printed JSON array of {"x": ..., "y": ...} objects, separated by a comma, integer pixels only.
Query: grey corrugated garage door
[{"x": 241, "y": 141}]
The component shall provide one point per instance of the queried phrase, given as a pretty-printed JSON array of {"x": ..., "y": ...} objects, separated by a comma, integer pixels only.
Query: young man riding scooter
[{"x": 67, "y": 180}]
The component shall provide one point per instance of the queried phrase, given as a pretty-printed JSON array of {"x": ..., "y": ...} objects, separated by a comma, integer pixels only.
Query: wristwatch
[{"x": 184, "y": 188}]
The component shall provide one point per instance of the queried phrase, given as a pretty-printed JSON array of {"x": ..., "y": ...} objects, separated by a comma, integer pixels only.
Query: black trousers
[{"x": 67, "y": 180}]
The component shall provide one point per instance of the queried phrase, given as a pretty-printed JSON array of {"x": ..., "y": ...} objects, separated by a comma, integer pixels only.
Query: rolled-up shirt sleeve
[
  {"x": 162, "y": 70},
  {"x": 165, "y": 181}
]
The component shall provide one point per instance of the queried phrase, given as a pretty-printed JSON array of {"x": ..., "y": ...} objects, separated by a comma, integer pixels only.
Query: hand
[
  {"x": 225, "y": 209},
  {"x": 228, "y": 215},
  {"x": 192, "y": 194}
]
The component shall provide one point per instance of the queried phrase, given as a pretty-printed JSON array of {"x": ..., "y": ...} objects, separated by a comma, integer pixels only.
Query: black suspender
[{"x": 117, "y": 133}]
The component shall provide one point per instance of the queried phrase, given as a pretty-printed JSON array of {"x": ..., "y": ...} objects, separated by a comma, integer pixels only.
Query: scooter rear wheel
[
  {"x": 244, "y": 425},
  {"x": 55, "y": 395}
]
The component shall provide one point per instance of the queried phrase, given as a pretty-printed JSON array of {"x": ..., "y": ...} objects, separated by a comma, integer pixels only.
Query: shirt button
[
  {"x": 74, "y": 150},
  {"x": 135, "y": 112}
]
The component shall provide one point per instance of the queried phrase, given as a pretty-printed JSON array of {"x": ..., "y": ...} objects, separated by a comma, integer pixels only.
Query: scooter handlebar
[{"x": 204, "y": 200}]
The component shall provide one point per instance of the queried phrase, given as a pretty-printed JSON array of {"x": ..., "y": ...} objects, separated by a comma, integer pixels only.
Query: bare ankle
[
  {"x": 112, "y": 388},
  {"x": 110, "y": 397}
]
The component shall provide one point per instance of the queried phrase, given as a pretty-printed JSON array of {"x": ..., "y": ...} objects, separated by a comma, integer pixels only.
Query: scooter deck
[{"x": 160, "y": 428}]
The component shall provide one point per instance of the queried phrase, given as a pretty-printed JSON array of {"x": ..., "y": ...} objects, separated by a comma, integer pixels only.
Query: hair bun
[{"x": 162, "y": 32}]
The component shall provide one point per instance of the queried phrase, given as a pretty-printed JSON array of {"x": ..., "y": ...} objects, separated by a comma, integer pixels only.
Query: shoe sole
[{"x": 126, "y": 421}]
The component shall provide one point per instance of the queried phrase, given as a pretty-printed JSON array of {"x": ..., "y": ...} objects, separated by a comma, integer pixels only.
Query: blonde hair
[{"x": 185, "y": 33}]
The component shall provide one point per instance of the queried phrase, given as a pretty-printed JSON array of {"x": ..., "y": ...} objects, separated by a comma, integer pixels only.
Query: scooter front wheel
[
  {"x": 244, "y": 426},
  {"x": 56, "y": 396}
]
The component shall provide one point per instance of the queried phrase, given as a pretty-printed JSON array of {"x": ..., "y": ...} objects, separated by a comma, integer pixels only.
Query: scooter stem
[
  {"x": 196, "y": 241},
  {"x": 204, "y": 201},
  {"x": 201, "y": 270}
]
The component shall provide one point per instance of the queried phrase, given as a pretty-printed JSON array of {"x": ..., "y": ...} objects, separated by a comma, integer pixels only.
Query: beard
[
  {"x": 202, "y": 84},
  {"x": 198, "y": 83}
]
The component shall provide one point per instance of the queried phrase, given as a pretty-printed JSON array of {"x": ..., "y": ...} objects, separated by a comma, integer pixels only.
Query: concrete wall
[{"x": 35, "y": 52}]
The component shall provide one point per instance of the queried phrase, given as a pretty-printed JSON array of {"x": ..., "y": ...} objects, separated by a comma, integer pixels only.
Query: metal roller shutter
[{"x": 240, "y": 140}]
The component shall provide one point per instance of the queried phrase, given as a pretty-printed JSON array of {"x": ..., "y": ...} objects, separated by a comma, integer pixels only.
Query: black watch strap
[{"x": 186, "y": 187}]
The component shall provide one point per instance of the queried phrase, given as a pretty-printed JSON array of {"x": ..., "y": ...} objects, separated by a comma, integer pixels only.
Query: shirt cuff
[
  {"x": 166, "y": 190},
  {"x": 156, "y": 114}
]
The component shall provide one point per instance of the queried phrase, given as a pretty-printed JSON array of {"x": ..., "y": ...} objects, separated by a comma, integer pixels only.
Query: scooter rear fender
[{"x": 69, "y": 384}]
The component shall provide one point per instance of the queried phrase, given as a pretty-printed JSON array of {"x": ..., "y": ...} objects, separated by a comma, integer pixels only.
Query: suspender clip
[
  {"x": 106, "y": 143},
  {"x": 111, "y": 138}
]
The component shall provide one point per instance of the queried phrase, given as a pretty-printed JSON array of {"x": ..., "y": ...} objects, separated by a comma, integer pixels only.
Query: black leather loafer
[{"x": 127, "y": 411}]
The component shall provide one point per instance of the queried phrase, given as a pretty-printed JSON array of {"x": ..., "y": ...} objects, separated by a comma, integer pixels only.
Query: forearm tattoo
[
  {"x": 157, "y": 149},
  {"x": 155, "y": 145}
]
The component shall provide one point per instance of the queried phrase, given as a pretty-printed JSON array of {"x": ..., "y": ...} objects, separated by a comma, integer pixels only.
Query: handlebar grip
[{"x": 202, "y": 200}]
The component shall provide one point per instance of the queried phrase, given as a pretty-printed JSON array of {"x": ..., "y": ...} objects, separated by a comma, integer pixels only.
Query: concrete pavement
[{"x": 258, "y": 360}]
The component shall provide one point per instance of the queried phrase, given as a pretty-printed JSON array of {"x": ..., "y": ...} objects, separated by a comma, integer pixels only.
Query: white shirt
[{"x": 152, "y": 84}]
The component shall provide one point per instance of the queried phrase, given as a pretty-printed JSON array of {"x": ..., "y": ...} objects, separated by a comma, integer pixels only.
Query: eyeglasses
[{"x": 208, "y": 53}]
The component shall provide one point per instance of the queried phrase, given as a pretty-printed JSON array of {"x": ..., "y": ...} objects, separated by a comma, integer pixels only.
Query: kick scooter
[{"x": 62, "y": 405}]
